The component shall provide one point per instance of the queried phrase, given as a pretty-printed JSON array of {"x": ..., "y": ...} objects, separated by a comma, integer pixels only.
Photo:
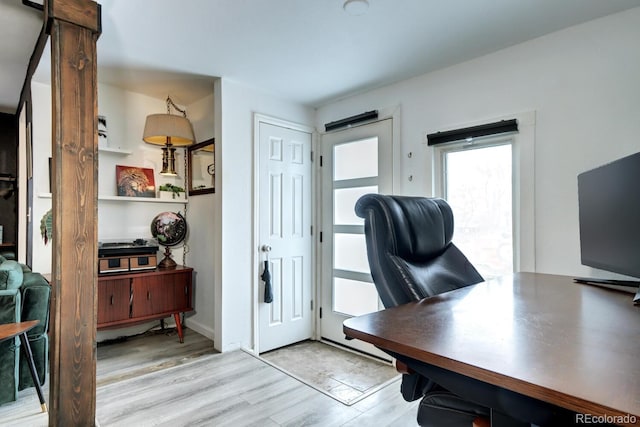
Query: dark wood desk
[
  {"x": 576, "y": 346},
  {"x": 10, "y": 330}
]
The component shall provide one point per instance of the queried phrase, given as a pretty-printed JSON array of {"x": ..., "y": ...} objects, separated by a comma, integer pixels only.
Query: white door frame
[{"x": 255, "y": 250}]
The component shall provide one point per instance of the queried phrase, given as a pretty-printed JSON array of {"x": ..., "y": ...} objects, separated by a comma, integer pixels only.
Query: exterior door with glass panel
[{"x": 355, "y": 161}]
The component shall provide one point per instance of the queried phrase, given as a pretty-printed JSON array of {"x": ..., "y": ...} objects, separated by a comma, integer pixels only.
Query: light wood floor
[{"x": 155, "y": 381}]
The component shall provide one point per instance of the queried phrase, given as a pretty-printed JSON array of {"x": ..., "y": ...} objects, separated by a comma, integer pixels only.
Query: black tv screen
[{"x": 609, "y": 206}]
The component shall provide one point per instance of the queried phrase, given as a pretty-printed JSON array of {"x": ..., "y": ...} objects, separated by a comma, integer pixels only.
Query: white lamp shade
[{"x": 160, "y": 126}]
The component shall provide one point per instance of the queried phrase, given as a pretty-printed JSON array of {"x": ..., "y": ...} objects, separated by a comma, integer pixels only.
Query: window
[{"x": 477, "y": 180}]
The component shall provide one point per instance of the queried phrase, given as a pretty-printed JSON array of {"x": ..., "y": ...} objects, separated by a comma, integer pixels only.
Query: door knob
[{"x": 265, "y": 248}]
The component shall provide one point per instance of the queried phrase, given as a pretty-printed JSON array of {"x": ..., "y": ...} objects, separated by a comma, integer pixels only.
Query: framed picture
[
  {"x": 202, "y": 167},
  {"x": 133, "y": 181}
]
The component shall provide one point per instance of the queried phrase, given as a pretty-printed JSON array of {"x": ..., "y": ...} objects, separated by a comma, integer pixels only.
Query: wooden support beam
[{"x": 74, "y": 28}]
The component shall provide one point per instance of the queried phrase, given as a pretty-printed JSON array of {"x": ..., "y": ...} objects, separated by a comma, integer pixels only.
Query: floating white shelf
[
  {"x": 141, "y": 199},
  {"x": 128, "y": 199},
  {"x": 115, "y": 150}
]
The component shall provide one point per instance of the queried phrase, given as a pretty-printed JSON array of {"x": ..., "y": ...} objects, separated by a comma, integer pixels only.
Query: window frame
[{"x": 523, "y": 183}]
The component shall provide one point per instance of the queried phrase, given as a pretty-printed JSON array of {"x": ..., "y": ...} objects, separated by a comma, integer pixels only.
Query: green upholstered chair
[{"x": 24, "y": 295}]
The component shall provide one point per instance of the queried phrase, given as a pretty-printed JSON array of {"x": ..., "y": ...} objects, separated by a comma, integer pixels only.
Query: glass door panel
[
  {"x": 353, "y": 297},
  {"x": 356, "y": 159},
  {"x": 350, "y": 253},
  {"x": 344, "y": 201}
]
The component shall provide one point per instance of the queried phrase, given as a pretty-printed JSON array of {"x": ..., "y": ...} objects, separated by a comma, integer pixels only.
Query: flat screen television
[{"x": 609, "y": 216}]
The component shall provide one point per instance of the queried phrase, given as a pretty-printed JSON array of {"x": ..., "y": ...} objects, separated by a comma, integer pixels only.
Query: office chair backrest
[{"x": 409, "y": 248}]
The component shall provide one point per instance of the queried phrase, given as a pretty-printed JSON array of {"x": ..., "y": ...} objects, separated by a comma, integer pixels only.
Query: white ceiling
[{"x": 307, "y": 51}]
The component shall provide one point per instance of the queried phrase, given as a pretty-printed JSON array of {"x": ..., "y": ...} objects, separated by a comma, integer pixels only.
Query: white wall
[
  {"x": 234, "y": 318},
  {"x": 582, "y": 82},
  {"x": 202, "y": 236},
  {"x": 41, "y": 139}
]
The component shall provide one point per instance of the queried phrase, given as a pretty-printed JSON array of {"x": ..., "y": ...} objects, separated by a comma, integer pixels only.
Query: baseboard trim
[{"x": 200, "y": 328}]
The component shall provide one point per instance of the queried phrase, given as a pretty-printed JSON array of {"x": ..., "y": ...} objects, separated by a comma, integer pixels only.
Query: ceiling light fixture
[
  {"x": 168, "y": 130},
  {"x": 356, "y": 7}
]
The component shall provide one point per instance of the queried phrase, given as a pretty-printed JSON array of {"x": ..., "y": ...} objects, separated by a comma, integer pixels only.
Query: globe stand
[{"x": 167, "y": 262}]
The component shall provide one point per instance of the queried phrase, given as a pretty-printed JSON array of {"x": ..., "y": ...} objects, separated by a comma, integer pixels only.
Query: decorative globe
[{"x": 169, "y": 228}]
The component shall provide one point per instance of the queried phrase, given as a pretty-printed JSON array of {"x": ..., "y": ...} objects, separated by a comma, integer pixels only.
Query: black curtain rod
[
  {"x": 34, "y": 5},
  {"x": 369, "y": 115},
  {"x": 504, "y": 126}
]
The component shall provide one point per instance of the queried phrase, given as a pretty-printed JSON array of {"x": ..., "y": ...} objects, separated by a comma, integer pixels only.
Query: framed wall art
[{"x": 133, "y": 181}]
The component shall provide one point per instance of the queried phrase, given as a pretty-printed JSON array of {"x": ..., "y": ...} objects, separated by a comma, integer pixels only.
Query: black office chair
[{"x": 411, "y": 257}]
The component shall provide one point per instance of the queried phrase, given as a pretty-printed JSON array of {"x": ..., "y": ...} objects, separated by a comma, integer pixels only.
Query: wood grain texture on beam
[
  {"x": 82, "y": 13},
  {"x": 75, "y": 194}
]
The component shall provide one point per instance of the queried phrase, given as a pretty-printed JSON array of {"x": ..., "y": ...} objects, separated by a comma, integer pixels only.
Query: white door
[
  {"x": 355, "y": 161},
  {"x": 285, "y": 215}
]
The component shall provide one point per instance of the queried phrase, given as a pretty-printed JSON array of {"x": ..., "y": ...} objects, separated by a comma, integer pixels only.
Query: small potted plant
[
  {"x": 170, "y": 191},
  {"x": 46, "y": 226}
]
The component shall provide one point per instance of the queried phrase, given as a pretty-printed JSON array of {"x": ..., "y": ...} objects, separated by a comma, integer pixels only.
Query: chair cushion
[
  {"x": 406, "y": 220},
  {"x": 409, "y": 248},
  {"x": 415, "y": 386},
  {"x": 10, "y": 275},
  {"x": 40, "y": 349},
  {"x": 9, "y": 349},
  {"x": 443, "y": 409},
  {"x": 33, "y": 279},
  {"x": 9, "y": 365},
  {"x": 419, "y": 215},
  {"x": 10, "y": 303},
  {"x": 427, "y": 278},
  {"x": 35, "y": 306}
]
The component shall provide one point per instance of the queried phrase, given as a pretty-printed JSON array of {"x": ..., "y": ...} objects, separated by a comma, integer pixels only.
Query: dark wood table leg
[
  {"x": 32, "y": 367},
  {"x": 176, "y": 316}
]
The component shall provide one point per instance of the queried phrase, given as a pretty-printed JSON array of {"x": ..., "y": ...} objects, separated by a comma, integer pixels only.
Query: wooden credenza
[{"x": 126, "y": 299}]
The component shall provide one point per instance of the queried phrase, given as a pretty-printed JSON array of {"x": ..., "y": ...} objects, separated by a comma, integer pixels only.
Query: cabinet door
[
  {"x": 113, "y": 300},
  {"x": 161, "y": 293},
  {"x": 182, "y": 291},
  {"x": 151, "y": 295}
]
